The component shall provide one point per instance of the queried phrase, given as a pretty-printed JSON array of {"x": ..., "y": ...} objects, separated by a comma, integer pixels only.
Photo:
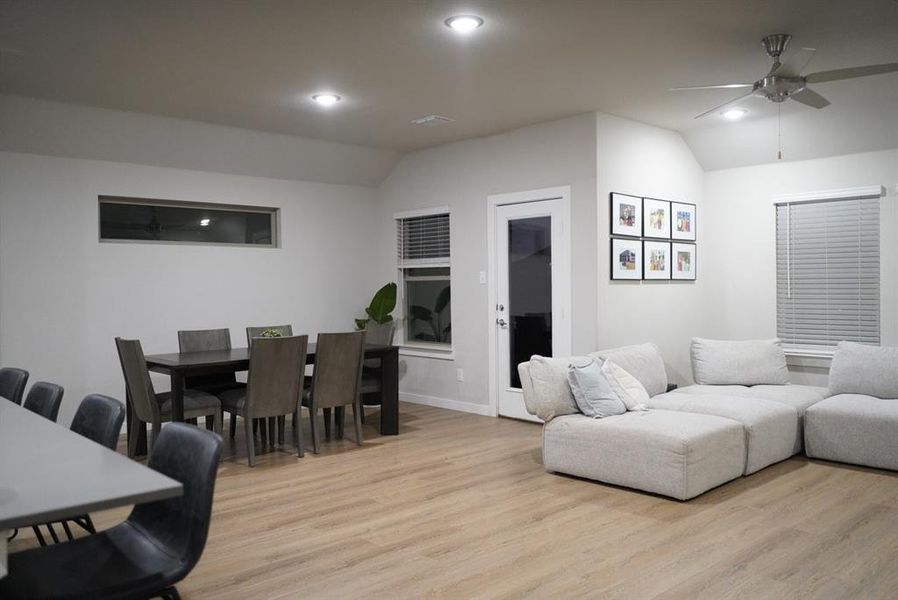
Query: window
[
  {"x": 827, "y": 271},
  {"x": 168, "y": 221},
  {"x": 423, "y": 261}
]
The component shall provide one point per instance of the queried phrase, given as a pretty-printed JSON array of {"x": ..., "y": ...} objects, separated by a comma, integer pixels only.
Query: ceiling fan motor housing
[{"x": 778, "y": 89}]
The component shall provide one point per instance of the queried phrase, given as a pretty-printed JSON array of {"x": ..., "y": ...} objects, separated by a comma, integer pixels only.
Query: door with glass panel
[{"x": 532, "y": 293}]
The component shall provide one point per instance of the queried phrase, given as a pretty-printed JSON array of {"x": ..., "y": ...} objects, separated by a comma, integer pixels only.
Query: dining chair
[
  {"x": 380, "y": 334},
  {"x": 204, "y": 340},
  {"x": 148, "y": 407},
  {"x": 273, "y": 388},
  {"x": 44, "y": 399},
  {"x": 145, "y": 556},
  {"x": 254, "y": 332},
  {"x": 336, "y": 380},
  {"x": 98, "y": 418},
  {"x": 12, "y": 383}
]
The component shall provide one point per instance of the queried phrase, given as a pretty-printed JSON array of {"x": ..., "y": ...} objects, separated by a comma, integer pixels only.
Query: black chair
[
  {"x": 44, "y": 399},
  {"x": 147, "y": 555},
  {"x": 12, "y": 383}
]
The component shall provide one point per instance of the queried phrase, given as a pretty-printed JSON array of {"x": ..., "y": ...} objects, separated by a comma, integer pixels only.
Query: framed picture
[
  {"x": 626, "y": 259},
  {"x": 682, "y": 216},
  {"x": 656, "y": 218},
  {"x": 655, "y": 260},
  {"x": 626, "y": 215},
  {"x": 682, "y": 261}
]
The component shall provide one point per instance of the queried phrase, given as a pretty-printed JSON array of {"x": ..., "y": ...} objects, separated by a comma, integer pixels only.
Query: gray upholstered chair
[
  {"x": 378, "y": 335},
  {"x": 273, "y": 389},
  {"x": 254, "y": 332},
  {"x": 205, "y": 340},
  {"x": 12, "y": 383},
  {"x": 336, "y": 380},
  {"x": 44, "y": 399},
  {"x": 149, "y": 407}
]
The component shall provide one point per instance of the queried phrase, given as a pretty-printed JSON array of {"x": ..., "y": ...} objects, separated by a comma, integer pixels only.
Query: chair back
[
  {"x": 338, "y": 368},
  {"x": 276, "y": 373},
  {"x": 179, "y": 526},
  {"x": 12, "y": 383},
  {"x": 203, "y": 340},
  {"x": 44, "y": 399},
  {"x": 254, "y": 332},
  {"x": 379, "y": 334},
  {"x": 99, "y": 418},
  {"x": 137, "y": 380}
]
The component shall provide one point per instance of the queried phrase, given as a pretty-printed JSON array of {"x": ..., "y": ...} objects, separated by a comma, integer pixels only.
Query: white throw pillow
[
  {"x": 627, "y": 387},
  {"x": 592, "y": 391},
  {"x": 551, "y": 392}
]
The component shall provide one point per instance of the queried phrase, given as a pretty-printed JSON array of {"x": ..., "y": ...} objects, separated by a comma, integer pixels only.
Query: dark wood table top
[{"x": 186, "y": 360}]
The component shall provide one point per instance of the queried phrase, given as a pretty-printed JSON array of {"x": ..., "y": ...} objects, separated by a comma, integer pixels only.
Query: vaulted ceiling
[{"x": 255, "y": 64}]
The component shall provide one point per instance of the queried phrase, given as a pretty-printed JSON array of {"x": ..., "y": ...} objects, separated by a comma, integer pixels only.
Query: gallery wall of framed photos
[{"x": 652, "y": 239}]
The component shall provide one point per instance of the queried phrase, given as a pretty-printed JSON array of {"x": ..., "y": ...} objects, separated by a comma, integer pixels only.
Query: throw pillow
[
  {"x": 627, "y": 387},
  {"x": 591, "y": 390}
]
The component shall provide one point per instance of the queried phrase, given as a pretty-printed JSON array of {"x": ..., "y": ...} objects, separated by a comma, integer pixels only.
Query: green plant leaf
[
  {"x": 361, "y": 324},
  {"x": 382, "y": 304},
  {"x": 420, "y": 312},
  {"x": 442, "y": 300}
]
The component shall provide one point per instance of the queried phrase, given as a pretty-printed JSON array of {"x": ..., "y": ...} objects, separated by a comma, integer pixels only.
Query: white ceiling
[{"x": 254, "y": 64}]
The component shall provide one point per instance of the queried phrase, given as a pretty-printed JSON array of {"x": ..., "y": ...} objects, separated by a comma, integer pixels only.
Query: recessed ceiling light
[
  {"x": 734, "y": 114},
  {"x": 326, "y": 99},
  {"x": 464, "y": 23}
]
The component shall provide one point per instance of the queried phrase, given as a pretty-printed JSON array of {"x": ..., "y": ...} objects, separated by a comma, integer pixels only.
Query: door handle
[{"x": 501, "y": 322}]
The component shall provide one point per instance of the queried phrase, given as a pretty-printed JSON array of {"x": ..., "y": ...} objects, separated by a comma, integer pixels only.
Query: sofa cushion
[
  {"x": 642, "y": 361},
  {"x": 853, "y": 428},
  {"x": 772, "y": 431},
  {"x": 747, "y": 362},
  {"x": 627, "y": 387},
  {"x": 800, "y": 397},
  {"x": 862, "y": 369},
  {"x": 680, "y": 455},
  {"x": 547, "y": 393},
  {"x": 591, "y": 390}
]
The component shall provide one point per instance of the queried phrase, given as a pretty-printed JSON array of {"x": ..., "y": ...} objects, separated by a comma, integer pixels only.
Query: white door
[{"x": 533, "y": 280}]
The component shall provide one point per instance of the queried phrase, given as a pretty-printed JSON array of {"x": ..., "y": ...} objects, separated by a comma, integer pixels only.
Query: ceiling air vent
[{"x": 432, "y": 120}]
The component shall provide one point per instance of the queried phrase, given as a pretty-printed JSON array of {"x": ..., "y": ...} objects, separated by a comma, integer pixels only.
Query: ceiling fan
[{"x": 785, "y": 81}]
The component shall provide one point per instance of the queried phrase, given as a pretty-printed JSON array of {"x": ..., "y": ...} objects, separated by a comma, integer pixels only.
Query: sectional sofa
[{"x": 740, "y": 416}]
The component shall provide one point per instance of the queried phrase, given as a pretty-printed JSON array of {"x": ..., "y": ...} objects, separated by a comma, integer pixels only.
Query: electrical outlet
[
  {"x": 460, "y": 374},
  {"x": 483, "y": 277}
]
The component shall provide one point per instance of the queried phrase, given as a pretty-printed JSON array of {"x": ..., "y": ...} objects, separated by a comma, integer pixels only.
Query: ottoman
[{"x": 853, "y": 428}]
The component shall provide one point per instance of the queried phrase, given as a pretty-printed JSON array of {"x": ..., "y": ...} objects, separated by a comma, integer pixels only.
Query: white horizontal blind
[
  {"x": 423, "y": 240},
  {"x": 827, "y": 271}
]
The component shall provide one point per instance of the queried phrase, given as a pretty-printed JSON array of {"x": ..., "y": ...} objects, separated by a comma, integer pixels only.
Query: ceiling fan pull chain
[{"x": 779, "y": 131}]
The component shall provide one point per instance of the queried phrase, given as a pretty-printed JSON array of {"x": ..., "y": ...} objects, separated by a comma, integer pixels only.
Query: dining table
[
  {"x": 181, "y": 365},
  {"x": 49, "y": 473}
]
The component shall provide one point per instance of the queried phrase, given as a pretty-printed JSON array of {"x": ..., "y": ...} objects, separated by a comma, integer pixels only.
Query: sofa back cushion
[
  {"x": 862, "y": 369},
  {"x": 748, "y": 362},
  {"x": 642, "y": 361},
  {"x": 549, "y": 392},
  {"x": 591, "y": 390}
]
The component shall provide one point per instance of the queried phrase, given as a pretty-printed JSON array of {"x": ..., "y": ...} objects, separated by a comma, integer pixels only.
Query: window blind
[
  {"x": 423, "y": 240},
  {"x": 827, "y": 271}
]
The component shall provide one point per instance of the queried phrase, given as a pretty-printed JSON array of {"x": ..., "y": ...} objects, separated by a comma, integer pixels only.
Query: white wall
[
  {"x": 638, "y": 159},
  {"x": 64, "y": 296},
  {"x": 461, "y": 176},
  {"x": 740, "y": 227}
]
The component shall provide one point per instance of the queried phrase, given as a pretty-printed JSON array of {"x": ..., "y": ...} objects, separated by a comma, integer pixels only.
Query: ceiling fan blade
[
  {"x": 811, "y": 98},
  {"x": 850, "y": 73},
  {"x": 795, "y": 63},
  {"x": 723, "y": 86},
  {"x": 716, "y": 108}
]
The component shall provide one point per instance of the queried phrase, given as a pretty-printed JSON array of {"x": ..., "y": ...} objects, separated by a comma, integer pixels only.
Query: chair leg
[
  {"x": 297, "y": 431},
  {"x": 232, "y": 420},
  {"x": 316, "y": 435},
  {"x": 132, "y": 436},
  {"x": 39, "y": 535},
  {"x": 362, "y": 411},
  {"x": 282, "y": 425},
  {"x": 250, "y": 442},
  {"x": 327, "y": 423},
  {"x": 154, "y": 435},
  {"x": 85, "y": 523},
  {"x": 216, "y": 420},
  {"x": 263, "y": 433},
  {"x": 357, "y": 412},
  {"x": 272, "y": 431},
  {"x": 210, "y": 422},
  {"x": 52, "y": 532},
  {"x": 68, "y": 532}
]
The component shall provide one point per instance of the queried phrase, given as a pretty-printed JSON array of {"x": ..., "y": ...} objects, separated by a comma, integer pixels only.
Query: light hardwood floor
[{"x": 458, "y": 506}]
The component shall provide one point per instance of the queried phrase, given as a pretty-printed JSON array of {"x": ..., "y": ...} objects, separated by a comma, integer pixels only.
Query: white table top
[{"x": 48, "y": 473}]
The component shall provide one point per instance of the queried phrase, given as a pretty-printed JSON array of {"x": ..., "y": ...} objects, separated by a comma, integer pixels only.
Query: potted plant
[{"x": 380, "y": 308}]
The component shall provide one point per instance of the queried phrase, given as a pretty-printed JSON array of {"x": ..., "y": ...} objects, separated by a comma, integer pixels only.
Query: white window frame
[
  {"x": 417, "y": 348},
  {"x": 815, "y": 356}
]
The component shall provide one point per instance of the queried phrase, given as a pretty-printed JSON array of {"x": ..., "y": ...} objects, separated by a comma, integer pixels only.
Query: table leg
[
  {"x": 177, "y": 397},
  {"x": 389, "y": 390}
]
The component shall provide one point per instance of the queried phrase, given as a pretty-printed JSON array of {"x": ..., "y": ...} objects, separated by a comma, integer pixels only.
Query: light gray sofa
[{"x": 858, "y": 423}]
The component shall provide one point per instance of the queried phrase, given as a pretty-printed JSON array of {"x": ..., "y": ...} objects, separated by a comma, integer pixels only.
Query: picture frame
[
  {"x": 626, "y": 259},
  {"x": 656, "y": 218},
  {"x": 682, "y": 219},
  {"x": 683, "y": 261},
  {"x": 625, "y": 214},
  {"x": 655, "y": 260}
]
